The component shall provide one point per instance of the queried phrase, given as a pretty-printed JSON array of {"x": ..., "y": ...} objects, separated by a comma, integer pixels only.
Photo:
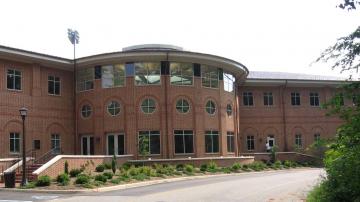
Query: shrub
[
  {"x": 113, "y": 164},
  {"x": 43, "y": 181},
  {"x": 226, "y": 170},
  {"x": 75, "y": 172},
  {"x": 236, "y": 166},
  {"x": 141, "y": 177},
  {"x": 87, "y": 185},
  {"x": 257, "y": 166},
  {"x": 108, "y": 175},
  {"x": 276, "y": 165},
  {"x": 318, "y": 194},
  {"x": 98, "y": 183},
  {"x": 63, "y": 179},
  {"x": 180, "y": 167},
  {"x": 82, "y": 179},
  {"x": 189, "y": 169},
  {"x": 29, "y": 185},
  {"x": 116, "y": 181},
  {"x": 203, "y": 167},
  {"x": 245, "y": 167},
  {"x": 212, "y": 167},
  {"x": 148, "y": 171},
  {"x": 126, "y": 166},
  {"x": 107, "y": 165},
  {"x": 133, "y": 171},
  {"x": 66, "y": 167},
  {"x": 100, "y": 168},
  {"x": 101, "y": 178}
]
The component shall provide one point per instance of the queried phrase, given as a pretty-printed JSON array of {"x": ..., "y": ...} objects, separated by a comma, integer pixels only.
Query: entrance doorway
[
  {"x": 271, "y": 140},
  {"x": 115, "y": 144},
  {"x": 87, "y": 145}
]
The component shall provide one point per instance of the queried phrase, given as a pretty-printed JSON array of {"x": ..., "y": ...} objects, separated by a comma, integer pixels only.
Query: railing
[
  {"x": 30, "y": 154},
  {"x": 48, "y": 155}
]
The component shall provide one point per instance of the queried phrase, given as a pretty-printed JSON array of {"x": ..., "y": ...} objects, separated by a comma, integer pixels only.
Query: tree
[{"x": 349, "y": 4}]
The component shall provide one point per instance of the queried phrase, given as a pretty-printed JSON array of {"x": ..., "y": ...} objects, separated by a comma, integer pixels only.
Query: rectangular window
[
  {"x": 184, "y": 141},
  {"x": 149, "y": 142},
  {"x": 316, "y": 137},
  {"x": 298, "y": 140},
  {"x": 211, "y": 141},
  {"x": 230, "y": 141},
  {"x": 250, "y": 142},
  {"x": 209, "y": 76},
  {"x": 147, "y": 73},
  {"x": 115, "y": 144},
  {"x": 248, "y": 99},
  {"x": 55, "y": 143},
  {"x": 228, "y": 82},
  {"x": 113, "y": 76},
  {"x": 53, "y": 85},
  {"x": 314, "y": 99},
  {"x": 268, "y": 99},
  {"x": 13, "y": 79},
  {"x": 295, "y": 99},
  {"x": 14, "y": 142},
  {"x": 36, "y": 144},
  {"x": 85, "y": 79},
  {"x": 181, "y": 73}
]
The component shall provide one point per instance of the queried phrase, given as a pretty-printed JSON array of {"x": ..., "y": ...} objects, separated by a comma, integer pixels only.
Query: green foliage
[
  {"x": 319, "y": 147},
  {"x": 245, "y": 167},
  {"x": 189, "y": 169},
  {"x": 100, "y": 168},
  {"x": 287, "y": 164},
  {"x": 98, "y": 183},
  {"x": 236, "y": 166},
  {"x": 82, "y": 179},
  {"x": 133, "y": 171},
  {"x": 43, "y": 181},
  {"x": 109, "y": 175},
  {"x": 66, "y": 167},
  {"x": 87, "y": 185},
  {"x": 226, "y": 170},
  {"x": 212, "y": 167},
  {"x": 203, "y": 167},
  {"x": 116, "y": 181},
  {"x": 141, "y": 177},
  {"x": 273, "y": 151},
  {"x": 318, "y": 194},
  {"x": 126, "y": 166},
  {"x": 63, "y": 179},
  {"x": 29, "y": 185},
  {"x": 101, "y": 178},
  {"x": 180, "y": 167},
  {"x": 257, "y": 166},
  {"x": 277, "y": 165},
  {"x": 113, "y": 164},
  {"x": 107, "y": 166},
  {"x": 75, "y": 172},
  {"x": 144, "y": 149}
]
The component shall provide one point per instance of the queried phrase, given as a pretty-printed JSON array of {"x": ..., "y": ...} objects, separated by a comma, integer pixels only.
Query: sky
[{"x": 264, "y": 35}]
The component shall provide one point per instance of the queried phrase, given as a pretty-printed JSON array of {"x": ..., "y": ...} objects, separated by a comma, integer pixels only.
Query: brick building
[{"x": 159, "y": 99}]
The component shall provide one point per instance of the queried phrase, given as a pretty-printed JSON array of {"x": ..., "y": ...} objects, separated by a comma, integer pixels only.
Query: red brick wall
[{"x": 47, "y": 114}]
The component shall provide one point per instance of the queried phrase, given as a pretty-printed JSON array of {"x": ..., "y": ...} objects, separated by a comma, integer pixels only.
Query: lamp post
[{"x": 23, "y": 114}]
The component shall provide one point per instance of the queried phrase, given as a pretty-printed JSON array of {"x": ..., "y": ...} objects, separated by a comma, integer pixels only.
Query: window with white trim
[
  {"x": 149, "y": 141},
  {"x": 314, "y": 99},
  {"x": 14, "y": 142},
  {"x": 229, "y": 110},
  {"x": 85, "y": 79},
  {"x": 268, "y": 99},
  {"x": 113, "y": 76},
  {"x": 228, "y": 82},
  {"x": 210, "y": 76},
  {"x": 295, "y": 99},
  {"x": 182, "y": 106},
  {"x": 181, "y": 73},
  {"x": 53, "y": 85},
  {"x": 147, "y": 73},
  {"x": 115, "y": 144},
  {"x": 250, "y": 142},
  {"x": 210, "y": 107},
  {"x": 212, "y": 141},
  {"x": 184, "y": 141},
  {"x": 230, "y": 141},
  {"x": 113, "y": 108},
  {"x": 13, "y": 79},
  {"x": 55, "y": 142},
  {"x": 148, "y": 106},
  {"x": 248, "y": 99},
  {"x": 298, "y": 140},
  {"x": 86, "y": 111}
]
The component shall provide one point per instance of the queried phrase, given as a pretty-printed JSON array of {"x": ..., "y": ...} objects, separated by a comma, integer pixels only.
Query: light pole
[
  {"x": 23, "y": 113},
  {"x": 74, "y": 37}
]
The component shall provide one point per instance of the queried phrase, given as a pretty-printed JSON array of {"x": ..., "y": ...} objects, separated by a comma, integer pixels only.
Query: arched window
[
  {"x": 229, "y": 109},
  {"x": 148, "y": 106},
  {"x": 182, "y": 106},
  {"x": 113, "y": 108},
  {"x": 86, "y": 111},
  {"x": 210, "y": 107}
]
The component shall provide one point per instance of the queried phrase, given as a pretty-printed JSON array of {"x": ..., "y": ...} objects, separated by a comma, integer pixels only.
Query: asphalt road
[{"x": 285, "y": 185}]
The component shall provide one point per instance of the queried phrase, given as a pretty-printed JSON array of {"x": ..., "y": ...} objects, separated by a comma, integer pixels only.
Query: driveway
[{"x": 284, "y": 185}]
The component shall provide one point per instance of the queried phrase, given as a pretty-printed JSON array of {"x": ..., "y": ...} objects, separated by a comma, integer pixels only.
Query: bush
[
  {"x": 113, "y": 164},
  {"x": 148, "y": 171},
  {"x": 257, "y": 166},
  {"x": 63, "y": 179},
  {"x": 226, "y": 170},
  {"x": 43, "y": 181},
  {"x": 133, "y": 171},
  {"x": 180, "y": 167},
  {"x": 101, "y": 178},
  {"x": 108, "y": 175},
  {"x": 116, "y": 181},
  {"x": 189, "y": 169},
  {"x": 29, "y": 185},
  {"x": 75, "y": 172},
  {"x": 276, "y": 165},
  {"x": 98, "y": 183},
  {"x": 141, "y": 177},
  {"x": 236, "y": 166},
  {"x": 126, "y": 166},
  {"x": 87, "y": 185},
  {"x": 203, "y": 167},
  {"x": 100, "y": 168},
  {"x": 318, "y": 194},
  {"x": 212, "y": 166},
  {"x": 245, "y": 167},
  {"x": 66, "y": 167},
  {"x": 82, "y": 179},
  {"x": 107, "y": 165}
]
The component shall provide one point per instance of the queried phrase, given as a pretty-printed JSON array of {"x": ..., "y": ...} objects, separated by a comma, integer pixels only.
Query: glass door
[
  {"x": 115, "y": 144},
  {"x": 87, "y": 145}
]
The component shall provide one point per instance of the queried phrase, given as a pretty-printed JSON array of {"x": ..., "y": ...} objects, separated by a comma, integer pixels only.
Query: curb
[{"x": 145, "y": 183}]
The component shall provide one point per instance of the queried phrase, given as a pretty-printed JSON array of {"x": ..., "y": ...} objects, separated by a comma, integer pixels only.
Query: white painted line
[{"x": 44, "y": 197}]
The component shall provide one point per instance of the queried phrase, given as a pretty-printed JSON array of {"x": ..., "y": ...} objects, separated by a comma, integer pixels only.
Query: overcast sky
[{"x": 267, "y": 35}]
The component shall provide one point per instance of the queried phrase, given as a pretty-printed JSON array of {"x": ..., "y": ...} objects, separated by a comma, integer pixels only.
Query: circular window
[
  {"x": 229, "y": 110},
  {"x": 113, "y": 108},
  {"x": 182, "y": 106},
  {"x": 210, "y": 107},
  {"x": 148, "y": 106},
  {"x": 86, "y": 111}
]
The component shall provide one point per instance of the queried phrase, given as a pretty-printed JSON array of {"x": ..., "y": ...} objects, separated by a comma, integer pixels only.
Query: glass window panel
[
  {"x": 121, "y": 144},
  {"x": 189, "y": 147},
  {"x": 179, "y": 144},
  {"x": 111, "y": 145},
  {"x": 155, "y": 144}
]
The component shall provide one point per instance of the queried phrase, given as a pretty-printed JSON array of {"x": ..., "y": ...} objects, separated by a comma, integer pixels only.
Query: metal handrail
[{"x": 51, "y": 153}]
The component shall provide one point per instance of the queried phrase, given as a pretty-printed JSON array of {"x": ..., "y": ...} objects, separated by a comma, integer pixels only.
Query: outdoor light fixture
[{"x": 23, "y": 113}]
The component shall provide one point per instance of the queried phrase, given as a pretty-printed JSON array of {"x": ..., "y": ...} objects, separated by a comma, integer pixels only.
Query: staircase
[{"x": 29, "y": 170}]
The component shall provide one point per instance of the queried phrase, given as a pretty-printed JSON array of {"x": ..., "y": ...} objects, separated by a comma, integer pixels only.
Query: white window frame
[
  {"x": 183, "y": 137},
  {"x": 298, "y": 139},
  {"x": 212, "y": 133},
  {"x": 112, "y": 108},
  {"x": 210, "y": 107},
  {"x": 250, "y": 138},
  {"x": 180, "y": 109},
  {"x": 54, "y": 82},
  {"x": 86, "y": 111},
  {"x": 148, "y": 106},
  {"x": 314, "y": 96},
  {"x": 13, "y": 136},
  {"x": 116, "y": 142},
  {"x": 13, "y": 77},
  {"x": 181, "y": 74}
]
